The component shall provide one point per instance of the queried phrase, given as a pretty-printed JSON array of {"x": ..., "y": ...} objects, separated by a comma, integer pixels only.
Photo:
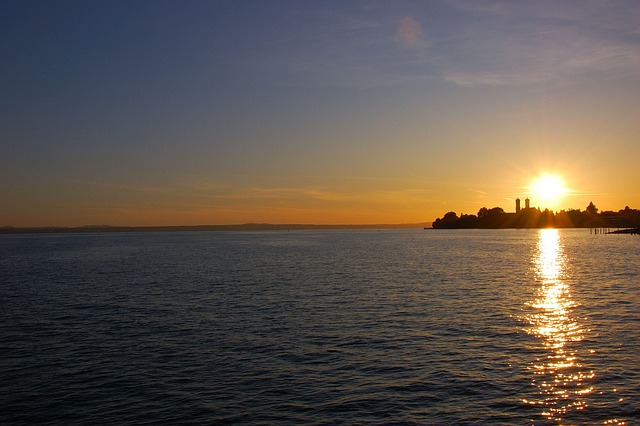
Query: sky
[{"x": 328, "y": 112}]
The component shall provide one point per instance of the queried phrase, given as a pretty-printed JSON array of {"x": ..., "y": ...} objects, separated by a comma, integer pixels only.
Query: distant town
[{"x": 532, "y": 217}]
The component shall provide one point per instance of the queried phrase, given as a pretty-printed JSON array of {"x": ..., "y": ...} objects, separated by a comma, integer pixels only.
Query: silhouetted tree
[
  {"x": 495, "y": 218},
  {"x": 592, "y": 209},
  {"x": 467, "y": 221},
  {"x": 448, "y": 221},
  {"x": 631, "y": 216},
  {"x": 546, "y": 219},
  {"x": 576, "y": 217}
]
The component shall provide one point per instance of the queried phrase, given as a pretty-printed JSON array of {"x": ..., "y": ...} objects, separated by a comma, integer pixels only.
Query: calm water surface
[{"x": 321, "y": 327}]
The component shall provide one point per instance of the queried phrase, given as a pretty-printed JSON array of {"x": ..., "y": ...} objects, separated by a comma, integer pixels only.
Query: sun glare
[{"x": 548, "y": 190}]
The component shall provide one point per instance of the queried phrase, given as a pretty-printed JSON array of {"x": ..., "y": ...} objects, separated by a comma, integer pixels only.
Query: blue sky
[{"x": 195, "y": 112}]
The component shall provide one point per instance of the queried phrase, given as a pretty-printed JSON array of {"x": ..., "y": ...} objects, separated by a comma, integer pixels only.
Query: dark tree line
[{"x": 496, "y": 218}]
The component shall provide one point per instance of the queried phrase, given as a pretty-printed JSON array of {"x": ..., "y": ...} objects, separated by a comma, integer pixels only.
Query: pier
[{"x": 634, "y": 231}]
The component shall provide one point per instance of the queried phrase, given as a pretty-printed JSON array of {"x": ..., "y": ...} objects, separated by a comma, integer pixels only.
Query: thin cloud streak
[{"x": 323, "y": 194}]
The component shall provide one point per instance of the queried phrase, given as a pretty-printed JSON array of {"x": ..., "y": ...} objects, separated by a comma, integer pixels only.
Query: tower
[
  {"x": 526, "y": 204},
  {"x": 517, "y": 205}
]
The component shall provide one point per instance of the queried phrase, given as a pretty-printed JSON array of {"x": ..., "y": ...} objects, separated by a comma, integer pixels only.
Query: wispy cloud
[
  {"x": 323, "y": 194},
  {"x": 492, "y": 43},
  {"x": 482, "y": 78},
  {"x": 507, "y": 45},
  {"x": 544, "y": 57}
]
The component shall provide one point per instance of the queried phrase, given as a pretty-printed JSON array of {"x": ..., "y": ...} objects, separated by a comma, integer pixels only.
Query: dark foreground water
[{"x": 321, "y": 327}]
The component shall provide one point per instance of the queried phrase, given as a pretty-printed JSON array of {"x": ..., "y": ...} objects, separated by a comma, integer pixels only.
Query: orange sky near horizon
[{"x": 180, "y": 206}]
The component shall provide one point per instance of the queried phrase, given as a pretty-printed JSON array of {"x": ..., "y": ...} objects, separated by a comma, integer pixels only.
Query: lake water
[{"x": 321, "y": 327}]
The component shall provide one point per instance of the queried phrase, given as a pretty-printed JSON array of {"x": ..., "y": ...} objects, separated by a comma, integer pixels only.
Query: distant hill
[{"x": 201, "y": 228}]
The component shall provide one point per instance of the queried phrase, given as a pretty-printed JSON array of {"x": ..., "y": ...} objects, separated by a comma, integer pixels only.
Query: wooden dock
[{"x": 635, "y": 231}]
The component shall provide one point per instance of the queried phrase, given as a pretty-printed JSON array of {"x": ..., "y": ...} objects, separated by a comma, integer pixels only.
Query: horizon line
[{"x": 8, "y": 229}]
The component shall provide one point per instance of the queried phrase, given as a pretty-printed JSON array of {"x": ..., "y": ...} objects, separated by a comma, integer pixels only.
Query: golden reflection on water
[{"x": 562, "y": 382}]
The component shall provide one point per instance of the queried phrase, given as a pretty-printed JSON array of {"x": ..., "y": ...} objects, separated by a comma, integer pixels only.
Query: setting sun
[{"x": 548, "y": 189}]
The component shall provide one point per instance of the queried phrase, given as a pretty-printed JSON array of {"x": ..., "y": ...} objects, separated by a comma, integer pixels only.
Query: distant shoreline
[{"x": 201, "y": 228}]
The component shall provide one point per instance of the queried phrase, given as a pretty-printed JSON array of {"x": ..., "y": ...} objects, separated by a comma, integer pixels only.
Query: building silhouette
[{"x": 517, "y": 205}]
